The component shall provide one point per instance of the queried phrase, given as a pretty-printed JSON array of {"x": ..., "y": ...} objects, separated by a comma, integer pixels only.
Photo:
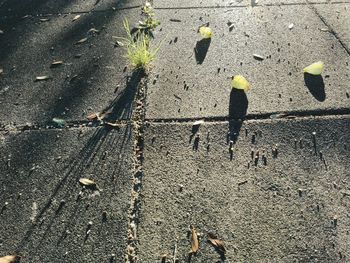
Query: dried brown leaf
[
  {"x": 92, "y": 116},
  {"x": 194, "y": 240},
  {"x": 40, "y": 78},
  {"x": 87, "y": 182},
  {"x": 76, "y": 17},
  {"x": 217, "y": 243},
  {"x": 9, "y": 259},
  {"x": 81, "y": 41}
]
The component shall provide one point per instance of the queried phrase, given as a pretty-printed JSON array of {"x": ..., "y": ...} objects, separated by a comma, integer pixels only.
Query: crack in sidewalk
[
  {"x": 331, "y": 29},
  {"x": 138, "y": 119}
]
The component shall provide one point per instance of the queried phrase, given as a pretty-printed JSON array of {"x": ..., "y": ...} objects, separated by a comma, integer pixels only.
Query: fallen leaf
[
  {"x": 10, "y": 259},
  {"x": 76, "y": 17},
  {"x": 197, "y": 123},
  {"x": 217, "y": 243},
  {"x": 81, "y": 41},
  {"x": 258, "y": 57},
  {"x": 87, "y": 182},
  {"x": 194, "y": 240},
  {"x": 118, "y": 44},
  {"x": 315, "y": 68},
  {"x": 112, "y": 124},
  {"x": 240, "y": 82},
  {"x": 44, "y": 19},
  {"x": 59, "y": 122},
  {"x": 205, "y": 32},
  {"x": 93, "y": 31},
  {"x": 92, "y": 116},
  {"x": 56, "y": 63},
  {"x": 40, "y": 78}
]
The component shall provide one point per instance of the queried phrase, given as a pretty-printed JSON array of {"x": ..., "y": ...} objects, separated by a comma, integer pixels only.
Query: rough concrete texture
[
  {"x": 235, "y": 3},
  {"x": 92, "y": 77},
  {"x": 293, "y": 209},
  {"x": 42, "y": 217},
  {"x": 18, "y": 8},
  {"x": 181, "y": 88},
  {"x": 338, "y": 19}
]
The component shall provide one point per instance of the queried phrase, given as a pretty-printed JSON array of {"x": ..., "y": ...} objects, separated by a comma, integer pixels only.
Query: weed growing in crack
[
  {"x": 150, "y": 22},
  {"x": 138, "y": 50},
  {"x": 137, "y": 41}
]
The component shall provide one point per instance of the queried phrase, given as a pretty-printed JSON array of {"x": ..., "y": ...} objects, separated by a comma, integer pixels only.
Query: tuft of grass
[{"x": 139, "y": 53}]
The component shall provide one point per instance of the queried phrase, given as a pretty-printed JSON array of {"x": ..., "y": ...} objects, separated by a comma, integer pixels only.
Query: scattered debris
[
  {"x": 59, "y": 122},
  {"x": 56, "y": 63},
  {"x": 1, "y": 71},
  {"x": 76, "y": 17},
  {"x": 1, "y": 32},
  {"x": 93, "y": 31},
  {"x": 10, "y": 259},
  {"x": 81, "y": 41},
  {"x": 44, "y": 19},
  {"x": 87, "y": 182},
  {"x": 197, "y": 123},
  {"x": 258, "y": 57},
  {"x": 118, "y": 44},
  {"x": 174, "y": 20},
  {"x": 40, "y": 78},
  {"x": 194, "y": 241},
  {"x": 217, "y": 243},
  {"x": 291, "y": 25}
]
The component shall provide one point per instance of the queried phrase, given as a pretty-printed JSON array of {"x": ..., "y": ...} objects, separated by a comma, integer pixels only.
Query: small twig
[{"x": 175, "y": 251}]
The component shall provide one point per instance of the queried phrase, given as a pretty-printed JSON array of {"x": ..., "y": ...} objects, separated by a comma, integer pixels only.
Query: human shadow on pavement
[
  {"x": 237, "y": 112},
  {"x": 315, "y": 85},
  {"x": 201, "y": 49}
]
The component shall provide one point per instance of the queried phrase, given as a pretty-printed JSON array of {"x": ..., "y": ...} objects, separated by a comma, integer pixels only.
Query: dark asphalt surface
[{"x": 266, "y": 186}]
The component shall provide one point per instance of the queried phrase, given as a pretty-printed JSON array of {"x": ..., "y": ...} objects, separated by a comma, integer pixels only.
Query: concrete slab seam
[
  {"x": 332, "y": 31},
  {"x": 138, "y": 119},
  {"x": 244, "y": 6}
]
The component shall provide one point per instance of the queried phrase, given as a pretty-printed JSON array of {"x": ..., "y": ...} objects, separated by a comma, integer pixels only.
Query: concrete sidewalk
[{"x": 267, "y": 172}]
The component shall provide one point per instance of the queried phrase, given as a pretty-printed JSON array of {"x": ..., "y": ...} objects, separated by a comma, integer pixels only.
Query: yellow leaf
[
  {"x": 9, "y": 259},
  {"x": 315, "y": 68},
  {"x": 194, "y": 240},
  {"x": 205, "y": 32},
  {"x": 239, "y": 82}
]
